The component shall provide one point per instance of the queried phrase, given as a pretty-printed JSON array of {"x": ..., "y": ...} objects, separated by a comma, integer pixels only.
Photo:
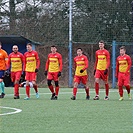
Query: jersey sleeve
[
  {"x": 96, "y": 60},
  {"x": 129, "y": 63},
  {"x": 37, "y": 60},
  {"x": 22, "y": 59},
  {"x": 24, "y": 63},
  {"x": 47, "y": 64},
  {"x": 9, "y": 62},
  {"x": 6, "y": 59},
  {"x": 108, "y": 60},
  {"x": 74, "y": 64},
  {"x": 60, "y": 62},
  {"x": 86, "y": 63},
  {"x": 117, "y": 67}
]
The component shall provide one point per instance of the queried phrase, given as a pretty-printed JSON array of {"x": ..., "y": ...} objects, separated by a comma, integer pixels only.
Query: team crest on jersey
[
  {"x": 124, "y": 58},
  {"x": 33, "y": 54}
]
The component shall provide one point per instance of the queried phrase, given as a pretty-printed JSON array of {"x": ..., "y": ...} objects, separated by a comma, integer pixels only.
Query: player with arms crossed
[
  {"x": 15, "y": 61},
  {"x": 53, "y": 70},
  {"x": 101, "y": 69},
  {"x": 31, "y": 66},
  {"x": 123, "y": 65},
  {"x": 3, "y": 67},
  {"x": 81, "y": 65}
]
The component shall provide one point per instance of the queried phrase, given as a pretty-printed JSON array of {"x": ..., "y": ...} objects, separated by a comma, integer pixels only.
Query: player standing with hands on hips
[
  {"x": 53, "y": 70},
  {"x": 81, "y": 65},
  {"x": 31, "y": 66},
  {"x": 101, "y": 68},
  {"x": 123, "y": 65}
]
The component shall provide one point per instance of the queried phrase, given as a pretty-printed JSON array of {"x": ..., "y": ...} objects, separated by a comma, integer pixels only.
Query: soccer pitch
[{"x": 64, "y": 115}]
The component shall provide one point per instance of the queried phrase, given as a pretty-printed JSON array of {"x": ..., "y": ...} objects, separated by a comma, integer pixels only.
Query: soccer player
[
  {"x": 3, "y": 67},
  {"x": 31, "y": 66},
  {"x": 123, "y": 65},
  {"x": 15, "y": 61},
  {"x": 81, "y": 65},
  {"x": 53, "y": 70},
  {"x": 101, "y": 69}
]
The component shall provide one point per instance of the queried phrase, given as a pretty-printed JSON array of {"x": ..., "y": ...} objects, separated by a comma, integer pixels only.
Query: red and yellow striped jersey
[
  {"x": 123, "y": 63},
  {"x": 102, "y": 59},
  {"x": 3, "y": 59},
  {"x": 81, "y": 62},
  {"x": 15, "y": 60},
  {"x": 54, "y": 62},
  {"x": 31, "y": 61}
]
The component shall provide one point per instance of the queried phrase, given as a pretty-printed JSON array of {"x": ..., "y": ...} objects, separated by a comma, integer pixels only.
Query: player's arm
[
  {"x": 24, "y": 63},
  {"x": 117, "y": 68},
  {"x": 95, "y": 65},
  {"x": 60, "y": 62},
  {"x": 74, "y": 64},
  {"x": 9, "y": 62},
  {"x": 47, "y": 64},
  {"x": 96, "y": 60},
  {"x": 22, "y": 60},
  {"x": 6, "y": 59},
  {"x": 108, "y": 60},
  {"x": 37, "y": 61},
  {"x": 46, "y": 67},
  {"x": 86, "y": 64},
  {"x": 129, "y": 63}
]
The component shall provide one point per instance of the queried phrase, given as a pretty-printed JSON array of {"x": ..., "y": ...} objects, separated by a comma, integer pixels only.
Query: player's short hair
[
  {"x": 0, "y": 43},
  {"x": 123, "y": 47},
  {"x": 80, "y": 49},
  {"x": 53, "y": 46},
  {"x": 29, "y": 44},
  {"x": 101, "y": 41}
]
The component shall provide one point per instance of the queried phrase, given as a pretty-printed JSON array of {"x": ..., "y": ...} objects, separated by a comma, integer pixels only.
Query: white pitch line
[
  {"x": 49, "y": 93},
  {"x": 9, "y": 113}
]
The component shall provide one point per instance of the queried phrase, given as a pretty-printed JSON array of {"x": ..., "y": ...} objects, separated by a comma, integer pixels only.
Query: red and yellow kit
[
  {"x": 31, "y": 61},
  {"x": 53, "y": 66},
  {"x": 123, "y": 65},
  {"x": 54, "y": 63},
  {"x": 3, "y": 59},
  {"x": 102, "y": 63},
  {"x": 16, "y": 61},
  {"x": 102, "y": 59},
  {"x": 81, "y": 63}
]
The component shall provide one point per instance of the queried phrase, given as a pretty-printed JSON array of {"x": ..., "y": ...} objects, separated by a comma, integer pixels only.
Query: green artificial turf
[{"x": 64, "y": 115}]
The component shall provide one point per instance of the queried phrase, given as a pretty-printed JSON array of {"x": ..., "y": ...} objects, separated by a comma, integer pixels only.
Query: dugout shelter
[{"x": 8, "y": 41}]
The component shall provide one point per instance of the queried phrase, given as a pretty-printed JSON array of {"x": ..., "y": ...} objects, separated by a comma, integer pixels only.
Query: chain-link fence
[{"x": 47, "y": 22}]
